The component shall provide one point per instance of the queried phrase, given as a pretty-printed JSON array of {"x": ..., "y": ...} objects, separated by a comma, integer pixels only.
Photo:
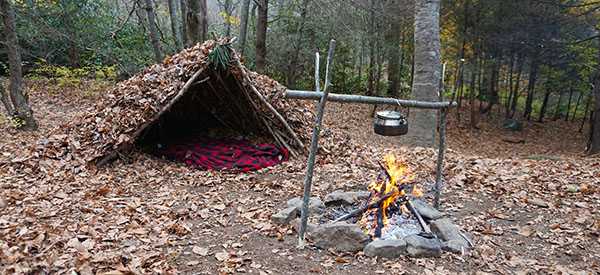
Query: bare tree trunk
[
  {"x": 140, "y": 14},
  {"x": 569, "y": 104},
  {"x": 403, "y": 49},
  {"x": 557, "y": 111},
  {"x": 20, "y": 103},
  {"x": 379, "y": 71},
  {"x": 184, "y": 23},
  {"x": 203, "y": 19},
  {"x": 393, "y": 49},
  {"x": 372, "y": 55},
  {"x": 194, "y": 29},
  {"x": 510, "y": 85},
  {"x": 227, "y": 21},
  {"x": 544, "y": 105},
  {"x": 293, "y": 64},
  {"x": 261, "y": 35},
  {"x": 531, "y": 88},
  {"x": 5, "y": 102},
  {"x": 244, "y": 26},
  {"x": 472, "y": 95},
  {"x": 175, "y": 24},
  {"x": 594, "y": 147},
  {"x": 360, "y": 59},
  {"x": 585, "y": 112},
  {"x": 460, "y": 77},
  {"x": 153, "y": 32},
  {"x": 490, "y": 83},
  {"x": 577, "y": 106},
  {"x": 197, "y": 21},
  {"x": 515, "y": 98},
  {"x": 427, "y": 68}
]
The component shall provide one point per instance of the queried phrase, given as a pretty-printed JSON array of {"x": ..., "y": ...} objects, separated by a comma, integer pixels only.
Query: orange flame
[{"x": 397, "y": 175}]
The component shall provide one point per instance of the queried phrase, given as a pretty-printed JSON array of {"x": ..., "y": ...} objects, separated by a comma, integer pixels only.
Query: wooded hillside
[{"x": 235, "y": 136}]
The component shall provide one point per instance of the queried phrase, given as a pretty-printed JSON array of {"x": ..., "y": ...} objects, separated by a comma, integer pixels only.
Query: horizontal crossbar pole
[{"x": 311, "y": 95}]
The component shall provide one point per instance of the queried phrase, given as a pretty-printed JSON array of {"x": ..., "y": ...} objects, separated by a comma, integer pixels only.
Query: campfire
[
  {"x": 389, "y": 195},
  {"x": 390, "y": 219}
]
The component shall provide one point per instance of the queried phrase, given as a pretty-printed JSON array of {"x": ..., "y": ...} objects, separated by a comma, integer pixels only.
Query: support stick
[
  {"x": 422, "y": 222},
  {"x": 312, "y": 95},
  {"x": 314, "y": 144},
  {"x": 262, "y": 99},
  {"x": 440, "y": 158}
]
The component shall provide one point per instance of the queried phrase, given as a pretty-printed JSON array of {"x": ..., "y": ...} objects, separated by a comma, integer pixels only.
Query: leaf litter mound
[{"x": 112, "y": 125}]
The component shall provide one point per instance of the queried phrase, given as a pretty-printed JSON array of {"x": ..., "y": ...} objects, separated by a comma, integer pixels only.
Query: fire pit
[{"x": 389, "y": 220}]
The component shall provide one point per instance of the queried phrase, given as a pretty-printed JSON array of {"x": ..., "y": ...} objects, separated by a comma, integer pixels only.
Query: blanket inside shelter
[{"x": 224, "y": 154}]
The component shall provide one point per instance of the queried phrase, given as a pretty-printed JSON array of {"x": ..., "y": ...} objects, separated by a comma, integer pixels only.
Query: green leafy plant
[{"x": 220, "y": 57}]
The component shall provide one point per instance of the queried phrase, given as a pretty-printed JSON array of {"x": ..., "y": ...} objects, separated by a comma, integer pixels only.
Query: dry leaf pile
[{"x": 151, "y": 216}]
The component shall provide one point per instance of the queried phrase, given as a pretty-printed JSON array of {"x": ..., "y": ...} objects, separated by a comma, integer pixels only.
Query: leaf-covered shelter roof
[{"x": 110, "y": 128}]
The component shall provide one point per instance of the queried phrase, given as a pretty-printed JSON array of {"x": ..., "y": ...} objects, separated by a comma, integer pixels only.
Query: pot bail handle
[{"x": 400, "y": 105}]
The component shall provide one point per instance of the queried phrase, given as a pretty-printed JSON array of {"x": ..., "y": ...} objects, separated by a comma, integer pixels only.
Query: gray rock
[
  {"x": 386, "y": 248},
  {"x": 315, "y": 204},
  {"x": 340, "y": 236},
  {"x": 285, "y": 216},
  {"x": 454, "y": 246},
  {"x": 3, "y": 203},
  {"x": 421, "y": 247},
  {"x": 513, "y": 125},
  {"x": 446, "y": 230},
  {"x": 426, "y": 210},
  {"x": 339, "y": 197}
]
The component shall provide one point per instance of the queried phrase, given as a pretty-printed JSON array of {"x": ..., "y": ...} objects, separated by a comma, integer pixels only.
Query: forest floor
[{"x": 531, "y": 207}]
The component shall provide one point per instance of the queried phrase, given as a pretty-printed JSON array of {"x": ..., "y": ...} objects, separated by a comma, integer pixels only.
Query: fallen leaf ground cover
[{"x": 530, "y": 207}]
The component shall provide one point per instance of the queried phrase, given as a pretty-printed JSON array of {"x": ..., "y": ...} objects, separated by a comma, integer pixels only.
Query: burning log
[{"x": 361, "y": 210}]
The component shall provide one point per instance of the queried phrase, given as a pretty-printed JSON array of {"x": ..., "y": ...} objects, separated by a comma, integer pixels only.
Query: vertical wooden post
[
  {"x": 314, "y": 143},
  {"x": 440, "y": 158}
]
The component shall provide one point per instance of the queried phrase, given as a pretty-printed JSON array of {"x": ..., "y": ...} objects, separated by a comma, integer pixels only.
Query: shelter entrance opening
[{"x": 213, "y": 125}]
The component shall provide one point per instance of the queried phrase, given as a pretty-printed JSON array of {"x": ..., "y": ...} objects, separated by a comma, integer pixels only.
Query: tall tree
[
  {"x": 244, "y": 25},
  {"x": 184, "y": 24},
  {"x": 372, "y": 69},
  {"x": 393, "y": 37},
  {"x": 533, "y": 75},
  {"x": 297, "y": 45},
  {"x": 427, "y": 73},
  {"x": 515, "y": 92},
  {"x": 18, "y": 105},
  {"x": 70, "y": 9},
  {"x": 197, "y": 21},
  {"x": 227, "y": 15},
  {"x": 261, "y": 35},
  {"x": 153, "y": 31},
  {"x": 594, "y": 147},
  {"x": 175, "y": 24}
]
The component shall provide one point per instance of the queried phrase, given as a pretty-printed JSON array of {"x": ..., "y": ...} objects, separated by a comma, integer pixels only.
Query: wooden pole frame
[{"x": 325, "y": 96}]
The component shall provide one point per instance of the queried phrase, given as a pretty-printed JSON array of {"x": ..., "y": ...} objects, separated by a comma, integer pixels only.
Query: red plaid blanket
[{"x": 225, "y": 154}]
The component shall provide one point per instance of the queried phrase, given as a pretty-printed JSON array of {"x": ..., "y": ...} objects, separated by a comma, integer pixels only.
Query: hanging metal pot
[{"x": 390, "y": 123}]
